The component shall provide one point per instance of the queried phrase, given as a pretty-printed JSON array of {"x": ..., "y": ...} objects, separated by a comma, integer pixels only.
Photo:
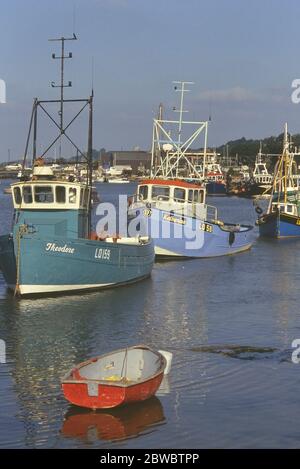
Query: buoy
[{"x": 168, "y": 356}]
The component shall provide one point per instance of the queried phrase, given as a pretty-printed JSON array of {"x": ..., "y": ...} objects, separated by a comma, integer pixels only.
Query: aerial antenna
[
  {"x": 74, "y": 17},
  {"x": 92, "y": 75}
]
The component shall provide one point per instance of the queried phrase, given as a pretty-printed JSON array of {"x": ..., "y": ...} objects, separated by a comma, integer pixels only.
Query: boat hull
[
  {"x": 184, "y": 236},
  {"x": 46, "y": 265},
  {"x": 254, "y": 189},
  {"x": 110, "y": 396},
  {"x": 279, "y": 226},
  {"x": 215, "y": 188}
]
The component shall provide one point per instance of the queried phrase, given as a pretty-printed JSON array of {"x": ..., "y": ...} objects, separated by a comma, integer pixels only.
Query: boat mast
[
  {"x": 62, "y": 85},
  {"x": 286, "y": 158},
  {"x": 60, "y": 123},
  {"x": 89, "y": 180},
  {"x": 281, "y": 171},
  {"x": 176, "y": 153},
  {"x": 181, "y": 89}
]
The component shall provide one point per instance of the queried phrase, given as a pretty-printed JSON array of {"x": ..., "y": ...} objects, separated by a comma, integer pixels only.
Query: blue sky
[{"x": 242, "y": 56}]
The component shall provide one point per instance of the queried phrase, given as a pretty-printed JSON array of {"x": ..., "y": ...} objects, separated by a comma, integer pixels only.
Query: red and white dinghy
[{"x": 124, "y": 376}]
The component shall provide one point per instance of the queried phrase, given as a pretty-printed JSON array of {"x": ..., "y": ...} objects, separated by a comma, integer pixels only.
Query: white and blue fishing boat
[
  {"x": 181, "y": 224},
  {"x": 51, "y": 248},
  {"x": 282, "y": 217},
  {"x": 173, "y": 211}
]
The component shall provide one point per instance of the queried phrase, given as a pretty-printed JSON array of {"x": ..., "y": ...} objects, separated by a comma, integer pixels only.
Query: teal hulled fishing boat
[{"x": 51, "y": 248}]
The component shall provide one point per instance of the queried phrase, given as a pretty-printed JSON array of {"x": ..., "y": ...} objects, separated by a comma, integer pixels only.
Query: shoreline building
[{"x": 136, "y": 161}]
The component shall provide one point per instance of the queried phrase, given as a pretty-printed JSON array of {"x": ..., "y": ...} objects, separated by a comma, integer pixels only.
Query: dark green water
[{"x": 228, "y": 321}]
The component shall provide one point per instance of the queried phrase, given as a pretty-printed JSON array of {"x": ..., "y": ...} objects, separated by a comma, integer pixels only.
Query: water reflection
[
  {"x": 113, "y": 424},
  {"x": 46, "y": 337}
]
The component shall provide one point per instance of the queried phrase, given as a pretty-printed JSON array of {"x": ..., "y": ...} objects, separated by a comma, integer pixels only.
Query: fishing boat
[
  {"x": 182, "y": 224},
  {"x": 125, "y": 376},
  {"x": 261, "y": 181},
  {"x": 118, "y": 181},
  {"x": 282, "y": 217},
  {"x": 261, "y": 177},
  {"x": 175, "y": 211},
  {"x": 214, "y": 177},
  {"x": 52, "y": 248}
]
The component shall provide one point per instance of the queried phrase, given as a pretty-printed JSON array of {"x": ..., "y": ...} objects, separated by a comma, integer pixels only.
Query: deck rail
[{"x": 193, "y": 209}]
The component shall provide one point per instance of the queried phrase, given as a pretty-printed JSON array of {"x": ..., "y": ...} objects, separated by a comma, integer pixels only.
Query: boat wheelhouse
[
  {"x": 262, "y": 179},
  {"x": 171, "y": 194},
  {"x": 57, "y": 207}
]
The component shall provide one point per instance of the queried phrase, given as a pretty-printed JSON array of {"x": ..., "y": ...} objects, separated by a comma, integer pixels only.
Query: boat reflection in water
[{"x": 113, "y": 424}]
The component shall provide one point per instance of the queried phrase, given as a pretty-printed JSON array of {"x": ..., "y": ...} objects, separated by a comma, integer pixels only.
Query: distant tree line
[{"x": 247, "y": 149}]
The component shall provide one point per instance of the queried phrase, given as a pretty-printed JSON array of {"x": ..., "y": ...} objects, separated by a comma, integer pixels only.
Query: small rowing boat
[
  {"x": 128, "y": 375},
  {"x": 7, "y": 190}
]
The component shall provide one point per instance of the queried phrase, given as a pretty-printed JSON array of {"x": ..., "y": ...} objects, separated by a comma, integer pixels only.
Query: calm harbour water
[{"x": 229, "y": 322}]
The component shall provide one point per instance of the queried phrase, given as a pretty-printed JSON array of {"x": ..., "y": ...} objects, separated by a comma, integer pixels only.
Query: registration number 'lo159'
[{"x": 101, "y": 253}]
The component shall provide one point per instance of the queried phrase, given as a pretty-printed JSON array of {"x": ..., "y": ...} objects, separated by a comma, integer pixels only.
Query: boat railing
[{"x": 193, "y": 209}]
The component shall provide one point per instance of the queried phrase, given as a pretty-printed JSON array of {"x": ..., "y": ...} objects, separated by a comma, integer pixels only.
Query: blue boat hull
[
  {"x": 214, "y": 188},
  {"x": 45, "y": 265},
  {"x": 279, "y": 226},
  {"x": 184, "y": 236}
]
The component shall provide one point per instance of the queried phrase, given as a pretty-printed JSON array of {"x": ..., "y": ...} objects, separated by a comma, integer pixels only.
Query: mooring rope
[{"x": 21, "y": 230}]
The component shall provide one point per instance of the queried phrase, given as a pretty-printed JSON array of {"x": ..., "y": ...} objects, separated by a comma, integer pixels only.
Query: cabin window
[
  {"x": 43, "y": 194},
  {"x": 60, "y": 193},
  {"x": 290, "y": 208},
  {"x": 27, "y": 194},
  {"x": 143, "y": 192},
  {"x": 191, "y": 196},
  {"x": 17, "y": 195},
  {"x": 179, "y": 194},
  {"x": 201, "y": 197},
  {"x": 72, "y": 195},
  {"x": 160, "y": 192}
]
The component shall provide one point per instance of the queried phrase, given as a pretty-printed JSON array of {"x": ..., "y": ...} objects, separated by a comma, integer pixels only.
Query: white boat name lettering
[
  {"x": 102, "y": 253},
  {"x": 65, "y": 249}
]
